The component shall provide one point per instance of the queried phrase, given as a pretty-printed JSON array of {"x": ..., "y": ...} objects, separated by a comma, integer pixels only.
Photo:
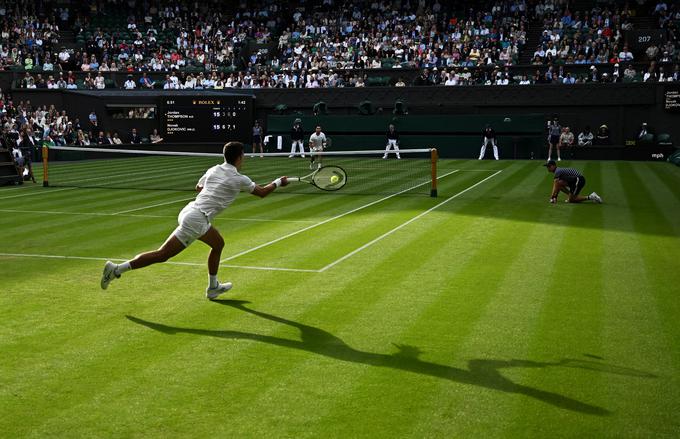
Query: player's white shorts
[{"x": 192, "y": 225}]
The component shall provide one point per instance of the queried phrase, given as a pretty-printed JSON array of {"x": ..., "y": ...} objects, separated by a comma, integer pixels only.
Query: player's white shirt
[
  {"x": 221, "y": 185},
  {"x": 317, "y": 142}
]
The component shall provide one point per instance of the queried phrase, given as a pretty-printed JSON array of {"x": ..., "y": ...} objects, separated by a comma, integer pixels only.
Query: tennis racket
[{"x": 327, "y": 178}]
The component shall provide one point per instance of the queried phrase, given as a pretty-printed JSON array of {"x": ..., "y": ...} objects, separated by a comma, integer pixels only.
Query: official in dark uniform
[
  {"x": 297, "y": 137},
  {"x": 489, "y": 135},
  {"x": 392, "y": 142}
]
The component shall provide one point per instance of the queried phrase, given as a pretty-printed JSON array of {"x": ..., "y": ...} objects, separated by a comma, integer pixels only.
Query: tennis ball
[{"x": 334, "y": 179}]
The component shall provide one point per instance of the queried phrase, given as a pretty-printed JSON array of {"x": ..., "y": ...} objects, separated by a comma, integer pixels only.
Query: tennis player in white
[
  {"x": 317, "y": 143},
  {"x": 217, "y": 189}
]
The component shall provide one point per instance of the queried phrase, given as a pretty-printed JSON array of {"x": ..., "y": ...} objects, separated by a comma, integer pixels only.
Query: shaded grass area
[{"x": 496, "y": 314}]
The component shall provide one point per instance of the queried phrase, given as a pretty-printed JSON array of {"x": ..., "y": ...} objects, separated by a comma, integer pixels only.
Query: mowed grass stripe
[
  {"x": 108, "y": 356},
  {"x": 285, "y": 365},
  {"x": 660, "y": 248},
  {"x": 240, "y": 398},
  {"x": 567, "y": 325},
  {"x": 94, "y": 199},
  {"x": 123, "y": 175},
  {"x": 327, "y": 242},
  {"x": 116, "y": 201},
  {"x": 184, "y": 381},
  {"x": 437, "y": 317},
  {"x": 70, "y": 351},
  {"x": 364, "y": 206},
  {"x": 61, "y": 423},
  {"x": 112, "y": 237},
  {"x": 666, "y": 176},
  {"x": 414, "y": 302},
  {"x": 329, "y": 355},
  {"x": 631, "y": 326},
  {"x": 495, "y": 330},
  {"x": 210, "y": 368},
  {"x": 660, "y": 268},
  {"x": 156, "y": 176}
]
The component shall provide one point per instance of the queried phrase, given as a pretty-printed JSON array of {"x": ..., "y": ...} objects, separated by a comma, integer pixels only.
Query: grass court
[{"x": 485, "y": 312}]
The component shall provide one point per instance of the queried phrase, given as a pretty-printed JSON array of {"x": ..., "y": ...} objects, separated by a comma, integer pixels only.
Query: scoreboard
[
  {"x": 672, "y": 99},
  {"x": 207, "y": 119}
]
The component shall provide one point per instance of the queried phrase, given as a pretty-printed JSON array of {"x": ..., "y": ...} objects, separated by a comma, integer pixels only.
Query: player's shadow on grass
[{"x": 480, "y": 372}]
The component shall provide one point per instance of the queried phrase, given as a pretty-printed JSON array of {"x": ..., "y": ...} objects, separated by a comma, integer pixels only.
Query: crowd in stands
[
  {"x": 419, "y": 34},
  {"x": 329, "y": 43},
  {"x": 27, "y": 125},
  {"x": 596, "y": 36}
]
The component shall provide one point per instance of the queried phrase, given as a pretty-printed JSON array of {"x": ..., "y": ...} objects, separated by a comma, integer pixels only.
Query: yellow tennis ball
[{"x": 334, "y": 179}]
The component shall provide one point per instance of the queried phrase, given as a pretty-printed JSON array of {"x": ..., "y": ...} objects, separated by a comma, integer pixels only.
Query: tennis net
[{"x": 367, "y": 171}]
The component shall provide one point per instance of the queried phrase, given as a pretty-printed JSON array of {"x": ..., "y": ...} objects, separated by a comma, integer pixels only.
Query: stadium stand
[{"x": 331, "y": 43}]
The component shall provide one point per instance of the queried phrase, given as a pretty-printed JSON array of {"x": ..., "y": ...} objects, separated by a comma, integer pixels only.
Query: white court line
[
  {"x": 479, "y": 170},
  {"x": 192, "y": 264},
  {"x": 151, "y": 206},
  {"x": 266, "y": 244},
  {"x": 388, "y": 233},
  {"x": 56, "y": 212},
  {"x": 41, "y": 192}
]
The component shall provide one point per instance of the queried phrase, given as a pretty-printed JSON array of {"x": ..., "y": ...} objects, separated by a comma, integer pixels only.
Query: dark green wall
[{"x": 452, "y": 135}]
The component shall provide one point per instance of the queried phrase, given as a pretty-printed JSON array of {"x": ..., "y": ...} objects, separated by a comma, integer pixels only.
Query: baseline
[{"x": 191, "y": 264}]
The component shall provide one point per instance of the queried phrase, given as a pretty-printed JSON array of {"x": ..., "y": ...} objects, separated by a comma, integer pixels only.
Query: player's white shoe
[
  {"x": 596, "y": 198},
  {"x": 213, "y": 293},
  {"x": 109, "y": 274}
]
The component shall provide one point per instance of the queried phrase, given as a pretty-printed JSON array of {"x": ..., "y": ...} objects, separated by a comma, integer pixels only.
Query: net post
[
  {"x": 434, "y": 156},
  {"x": 45, "y": 154}
]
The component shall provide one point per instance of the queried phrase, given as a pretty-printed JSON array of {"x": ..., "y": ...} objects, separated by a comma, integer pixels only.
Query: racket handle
[{"x": 293, "y": 179}]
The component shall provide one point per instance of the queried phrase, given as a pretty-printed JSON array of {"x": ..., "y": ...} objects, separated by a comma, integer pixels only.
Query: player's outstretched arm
[{"x": 263, "y": 191}]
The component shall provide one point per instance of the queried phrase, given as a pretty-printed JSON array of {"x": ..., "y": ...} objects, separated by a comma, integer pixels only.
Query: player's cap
[
  {"x": 298, "y": 120},
  {"x": 550, "y": 163}
]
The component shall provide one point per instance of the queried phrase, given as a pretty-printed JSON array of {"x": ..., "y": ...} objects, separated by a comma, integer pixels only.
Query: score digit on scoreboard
[{"x": 207, "y": 119}]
